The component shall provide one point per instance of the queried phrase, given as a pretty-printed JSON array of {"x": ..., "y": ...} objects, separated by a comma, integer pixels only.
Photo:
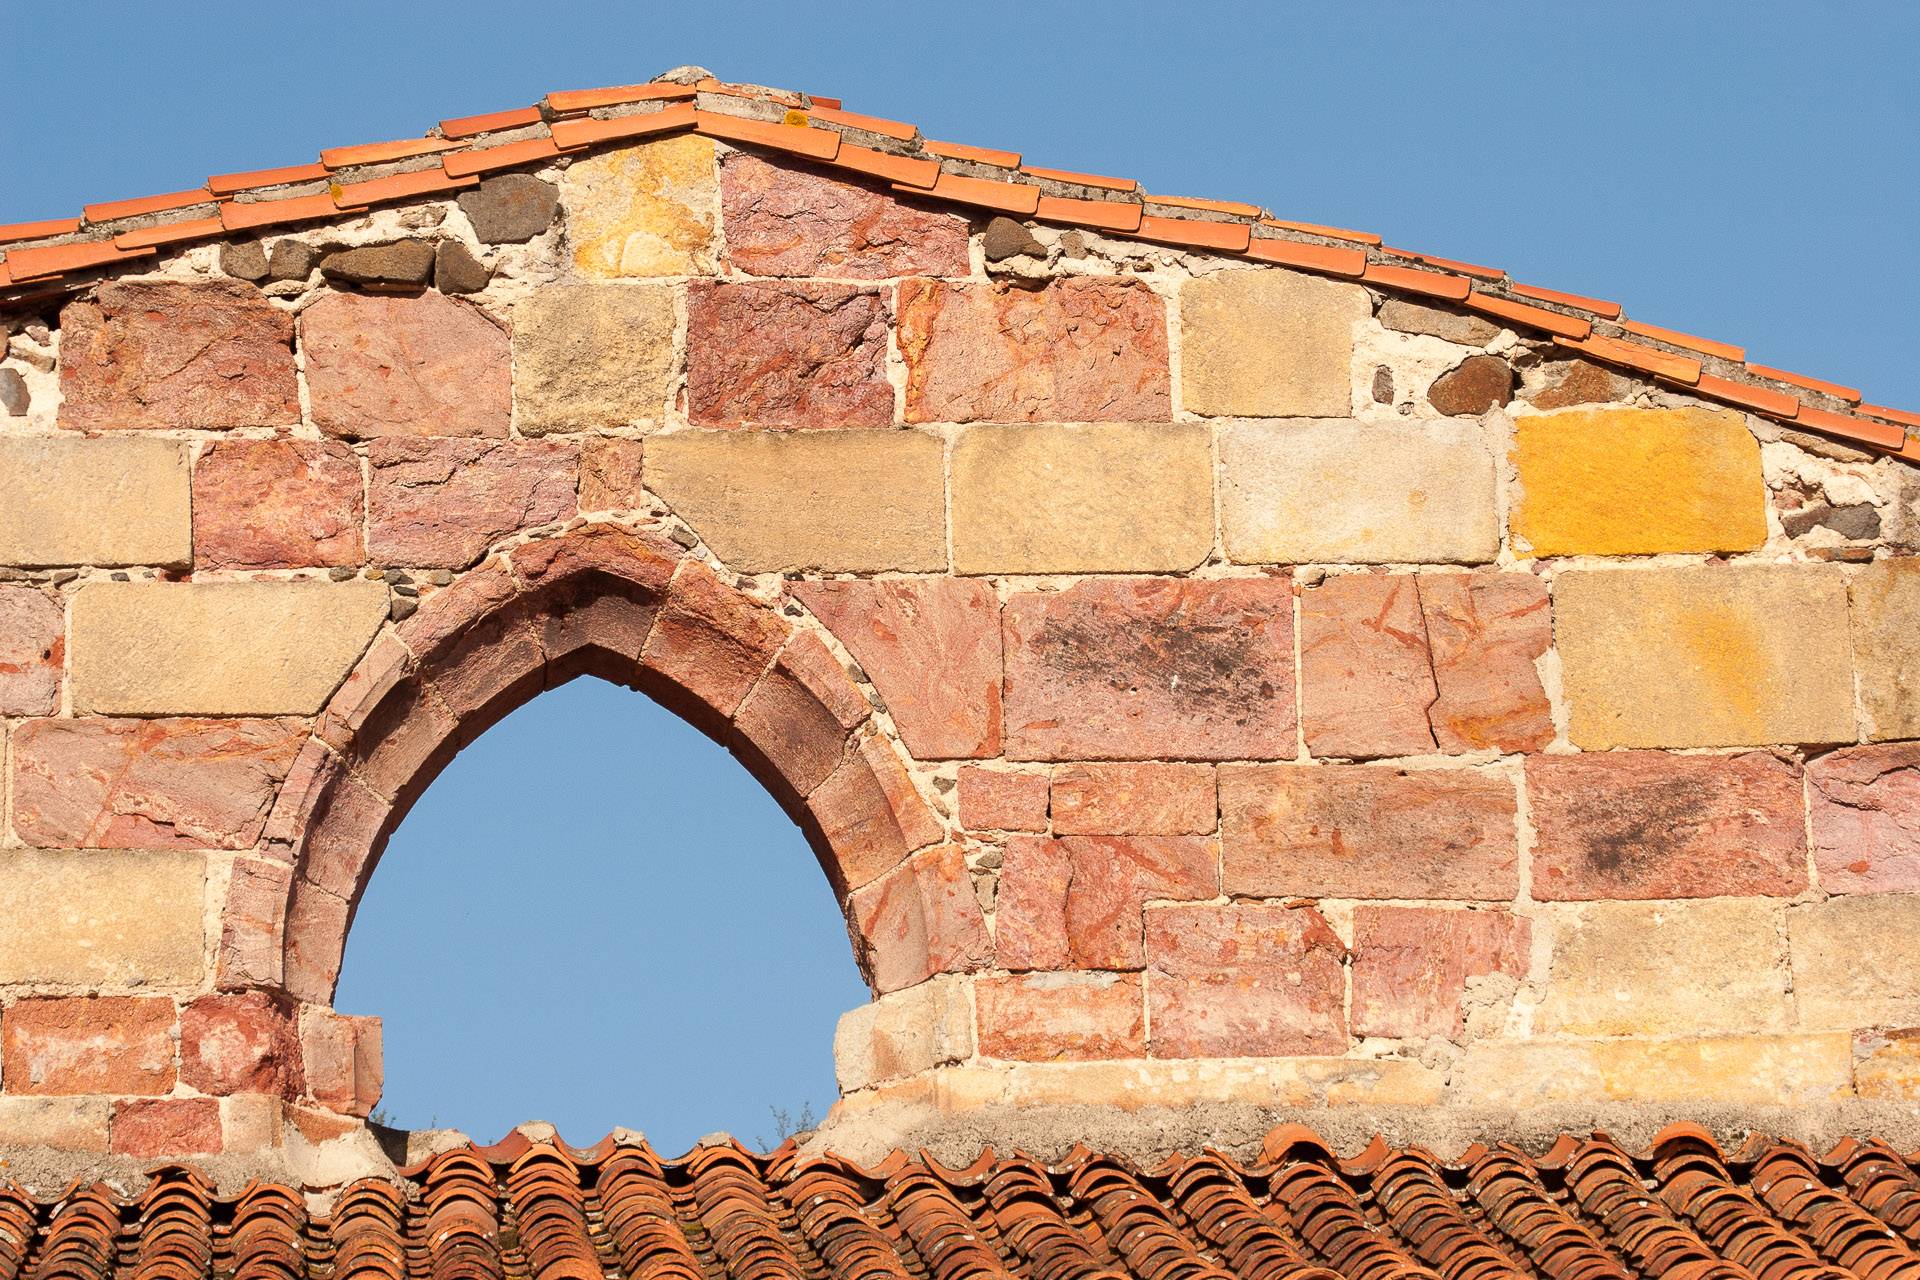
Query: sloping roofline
[{"x": 42, "y": 260}]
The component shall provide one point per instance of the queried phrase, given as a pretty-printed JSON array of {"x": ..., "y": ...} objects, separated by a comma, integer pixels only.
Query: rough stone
[
  {"x": 1487, "y": 633},
  {"x": 244, "y": 260},
  {"x": 932, "y": 649},
  {"x": 1151, "y": 668},
  {"x": 104, "y": 1044},
  {"x": 200, "y": 356},
  {"x": 1079, "y": 350},
  {"x": 250, "y": 952},
  {"x": 342, "y": 1057},
  {"x": 769, "y": 354},
  {"x": 108, "y": 918},
  {"x": 277, "y": 504},
  {"x": 1152, "y": 799},
  {"x": 405, "y": 365},
  {"x": 1472, "y": 387},
  {"x": 218, "y": 648},
  {"x": 56, "y": 1124},
  {"x": 242, "y": 1043},
  {"x": 104, "y": 502},
  {"x": 836, "y": 501},
  {"x": 1358, "y": 831},
  {"x": 404, "y": 262},
  {"x": 1082, "y": 499},
  {"x": 148, "y": 1128},
  {"x": 1004, "y": 238},
  {"x": 1705, "y": 656},
  {"x": 1060, "y": 1017},
  {"x": 1884, "y": 600},
  {"x": 610, "y": 469},
  {"x": 1637, "y": 482},
  {"x": 903, "y": 1033},
  {"x": 1076, "y": 902},
  {"x": 1579, "y": 382},
  {"x": 1383, "y": 385},
  {"x": 1344, "y": 491},
  {"x": 1854, "y": 960},
  {"x": 1415, "y": 968},
  {"x": 1002, "y": 800},
  {"x": 1243, "y": 981},
  {"x": 442, "y": 503},
  {"x": 33, "y": 646},
  {"x": 1864, "y": 807},
  {"x": 1645, "y": 824},
  {"x": 1269, "y": 344},
  {"x": 1734, "y": 1071},
  {"x": 511, "y": 208},
  {"x": 456, "y": 270},
  {"x": 292, "y": 260},
  {"x": 645, "y": 210},
  {"x": 1450, "y": 326},
  {"x": 15, "y": 399},
  {"x": 1887, "y": 1063},
  {"x": 870, "y": 815},
  {"x": 1367, "y": 679},
  {"x": 784, "y": 221},
  {"x": 592, "y": 356},
  {"x": 919, "y": 919}
]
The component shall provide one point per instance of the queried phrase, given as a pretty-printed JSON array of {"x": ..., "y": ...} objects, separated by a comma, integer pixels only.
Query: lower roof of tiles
[
  {"x": 43, "y": 261},
  {"x": 1683, "y": 1207}
]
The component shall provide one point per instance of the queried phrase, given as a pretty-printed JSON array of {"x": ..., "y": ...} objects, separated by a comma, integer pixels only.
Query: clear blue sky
[{"x": 541, "y": 939}]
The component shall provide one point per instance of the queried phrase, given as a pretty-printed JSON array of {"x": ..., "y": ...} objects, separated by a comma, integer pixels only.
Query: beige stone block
[
  {"x": 903, "y": 1033},
  {"x": 1856, "y": 960},
  {"x": 1885, "y": 599},
  {"x": 1616, "y": 482},
  {"x": 104, "y": 918},
  {"x": 591, "y": 356},
  {"x": 58, "y": 1124},
  {"x": 643, "y": 211},
  {"x": 772, "y": 501},
  {"x": 1744, "y": 1070},
  {"x": 1886, "y": 1064},
  {"x": 108, "y": 501},
  {"x": 218, "y": 648},
  {"x": 1082, "y": 499},
  {"x": 1273, "y": 1082},
  {"x": 1357, "y": 492},
  {"x": 1705, "y": 656},
  {"x": 1268, "y": 344},
  {"x": 1667, "y": 968}
]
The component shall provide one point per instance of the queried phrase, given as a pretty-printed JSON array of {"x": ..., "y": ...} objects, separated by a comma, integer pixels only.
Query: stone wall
[{"x": 1201, "y": 682}]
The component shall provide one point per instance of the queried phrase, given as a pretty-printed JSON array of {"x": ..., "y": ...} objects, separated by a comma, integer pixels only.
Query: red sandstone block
[
  {"x": 405, "y": 365},
  {"x": 1079, "y": 350},
  {"x": 1151, "y": 668},
  {"x": 1246, "y": 980},
  {"x": 1076, "y": 902},
  {"x": 277, "y": 504},
  {"x": 1645, "y": 824},
  {"x": 251, "y": 923},
  {"x": 868, "y": 816},
  {"x": 347, "y": 827},
  {"x": 1002, "y": 800},
  {"x": 33, "y": 628},
  {"x": 794, "y": 724},
  {"x": 1412, "y": 966},
  {"x": 1366, "y": 677},
  {"x": 341, "y": 1056},
  {"x": 1134, "y": 799},
  {"x": 153, "y": 1127},
  {"x": 1358, "y": 831},
  {"x": 442, "y": 503},
  {"x": 495, "y": 665},
  {"x": 89, "y": 1044},
  {"x": 1865, "y": 808},
  {"x": 931, "y": 646},
  {"x": 710, "y": 644},
  {"x": 920, "y": 919},
  {"x": 786, "y": 221},
  {"x": 1054, "y": 1017},
  {"x": 246, "y": 1043},
  {"x": 316, "y": 931},
  {"x": 762, "y": 353},
  {"x": 446, "y": 615},
  {"x": 1486, "y": 632}
]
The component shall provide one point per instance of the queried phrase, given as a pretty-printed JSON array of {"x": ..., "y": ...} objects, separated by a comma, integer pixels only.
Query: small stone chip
[
  {"x": 14, "y": 397},
  {"x": 456, "y": 270},
  {"x": 404, "y": 262},
  {"x": 291, "y": 260},
  {"x": 510, "y": 209},
  {"x": 1006, "y": 238},
  {"x": 1383, "y": 385},
  {"x": 246, "y": 261}
]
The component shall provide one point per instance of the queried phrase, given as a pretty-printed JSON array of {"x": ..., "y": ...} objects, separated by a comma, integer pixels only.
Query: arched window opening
[{"x": 595, "y": 916}]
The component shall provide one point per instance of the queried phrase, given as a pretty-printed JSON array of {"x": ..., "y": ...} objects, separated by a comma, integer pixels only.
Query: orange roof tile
[
  {"x": 872, "y": 124},
  {"x": 1606, "y": 310},
  {"x": 1850, "y": 394},
  {"x": 383, "y": 152},
  {"x": 1311, "y": 257},
  {"x": 587, "y": 99},
  {"x": 146, "y": 204},
  {"x": 1081, "y": 179},
  {"x": 1673, "y": 337},
  {"x": 1331, "y": 233},
  {"x": 1434, "y": 284},
  {"x": 492, "y": 121},
  {"x": 1523, "y": 316},
  {"x": 38, "y": 230},
  {"x": 1233, "y": 237},
  {"x": 225, "y": 184},
  {"x": 979, "y": 155},
  {"x": 461, "y": 164}
]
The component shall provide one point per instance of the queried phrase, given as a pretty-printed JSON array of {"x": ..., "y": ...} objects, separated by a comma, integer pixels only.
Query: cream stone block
[
  {"x": 109, "y": 501},
  {"x": 591, "y": 356},
  {"x": 773, "y": 501},
  {"x": 1357, "y": 492},
  {"x": 218, "y": 648},
  {"x": 1266, "y": 343},
  {"x": 104, "y": 918},
  {"x": 1082, "y": 499},
  {"x": 1885, "y": 599},
  {"x": 903, "y": 1033},
  {"x": 1734, "y": 1070},
  {"x": 1856, "y": 960},
  {"x": 646, "y": 210},
  {"x": 56, "y": 1124},
  {"x": 1276, "y": 1082}
]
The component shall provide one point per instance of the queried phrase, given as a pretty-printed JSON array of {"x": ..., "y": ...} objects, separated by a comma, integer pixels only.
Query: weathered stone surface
[
  {"x": 277, "y": 504},
  {"x": 147, "y": 784},
  {"x": 1366, "y": 670},
  {"x": 710, "y": 642},
  {"x": 870, "y": 816},
  {"x": 1885, "y": 606},
  {"x": 511, "y": 208},
  {"x": 1243, "y": 981},
  {"x": 404, "y": 262},
  {"x": 1645, "y": 824},
  {"x": 15, "y": 399},
  {"x": 105, "y": 918},
  {"x": 104, "y": 502},
  {"x": 1002, "y": 800},
  {"x": 241, "y": 1043},
  {"x": 104, "y": 1044},
  {"x": 1886, "y": 1063},
  {"x": 1057, "y": 1017},
  {"x": 456, "y": 270},
  {"x": 1705, "y": 656},
  {"x": 800, "y": 734},
  {"x": 244, "y": 260},
  {"x": 1667, "y": 968},
  {"x": 405, "y": 365},
  {"x": 164, "y": 354},
  {"x": 1004, "y": 238},
  {"x": 1472, "y": 387},
  {"x": 250, "y": 944},
  {"x": 1864, "y": 806},
  {"x": 218, "y": 648},
  {"x": 1346, "y": 831},
  {"x": 1082, "y": 499},
  {"x": 1737, "y": 1070},
  {"x": 1579, "y": 382},
  {"x": 442, "y": 503},
  {"x": 1268, "y": 344},
  {"x": 1076, "y": 902},
  {"x": 1368, "y": 493},
  {"x": 903, "y": 1034},
  {"x": 1147, "y": 668},
  {"x": 56, "y": 1124},
  {"x": 1486, "y": 635},
  {"x": 591, "y": 356},
  {"x": 1150, "y": 799},
  {"x": 784, "y": 221},
  {"x": 762, "y": 354},
  {"x": 1453, "y": 326},
  {"x": 33, "y": 645},
  {"x": 1079, "y": 350},
  {"x": 642, "y": 211},
  {"x": 342, "y": 1060},
  {"x": 610, "y": 474},
  {"x": 1133, "y": 1085},
  {"x": 1856, "y": 521},
  {"x": 932, "y": 649},
  {"x": 152, "y": 1127},
  {"x": 1420, "y": 971},
  {"x": 292, "y": 260},
  {"x": 1619, "y": 482},
  {"x": 1854, "y": 959},
  {"x": 836, "y": 501},
  {"x": 919, "y": 919}
]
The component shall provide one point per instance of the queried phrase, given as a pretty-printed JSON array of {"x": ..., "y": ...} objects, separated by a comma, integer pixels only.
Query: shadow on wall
[{"x": 595, "y": 916}]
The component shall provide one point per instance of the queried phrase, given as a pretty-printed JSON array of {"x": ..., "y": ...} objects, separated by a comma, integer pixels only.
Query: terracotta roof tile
[
  {"x": 1892, "y": 415},
  {"x": 1080, "y": 179},
  {"x": 1237, "y": 208},
  {"x": 1605, "y": 310},
  {"x": 1850, "y": 394},
  {"x": 1330, "y": 233},
  {"x": 272, "y": 213},
  {"x": 56, "y": 259},
  {"x": 1673, "y": 337},
  {"x": 587, "y": 99},
  {"x": 399, "y": 186},
  {"x": 171, "y": 233},
  {"x": 461, "y": 164},
  {"x": 1310, "y": 257},
  {"x": 383, "y": 152},
  {"x": 38, "y": 230},
  {"x": 1449, "y": 264},
  {"x": 1103, "y": 215},
  {"x": 907, "y": 171},
  {"x": 1434, "y": 284},
  {"x": 1008, "y": 197},
  {"x": 225, "y": 184},
  {"x": 492, "y": 121},
  {"x": 979, "y": 155},
  {"x": 1234, "y": 237},
  {"x": 1777, "y": 404},
  {"x": 872, "y": 124},
  {"x": 1634, "y": 355},
  {"x": 819, "y": 144},
  {"x": 1524, "y": 316},
  {"x": 582, "y": 132},
  {"x": 112, "y": 209}
]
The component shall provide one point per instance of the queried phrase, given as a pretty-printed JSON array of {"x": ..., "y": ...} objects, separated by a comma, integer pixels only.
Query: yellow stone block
[
  {"x": 1885, "y": 598},
  {"x": 1622, "y": 482},
  {"x": 1886, "y": 1064},
  {"x": 643, "y": 211},
  {"x": 105, "y": 918}
]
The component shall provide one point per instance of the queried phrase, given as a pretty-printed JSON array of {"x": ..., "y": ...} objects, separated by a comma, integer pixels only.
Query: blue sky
[{"x": 542, "y": 938}]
